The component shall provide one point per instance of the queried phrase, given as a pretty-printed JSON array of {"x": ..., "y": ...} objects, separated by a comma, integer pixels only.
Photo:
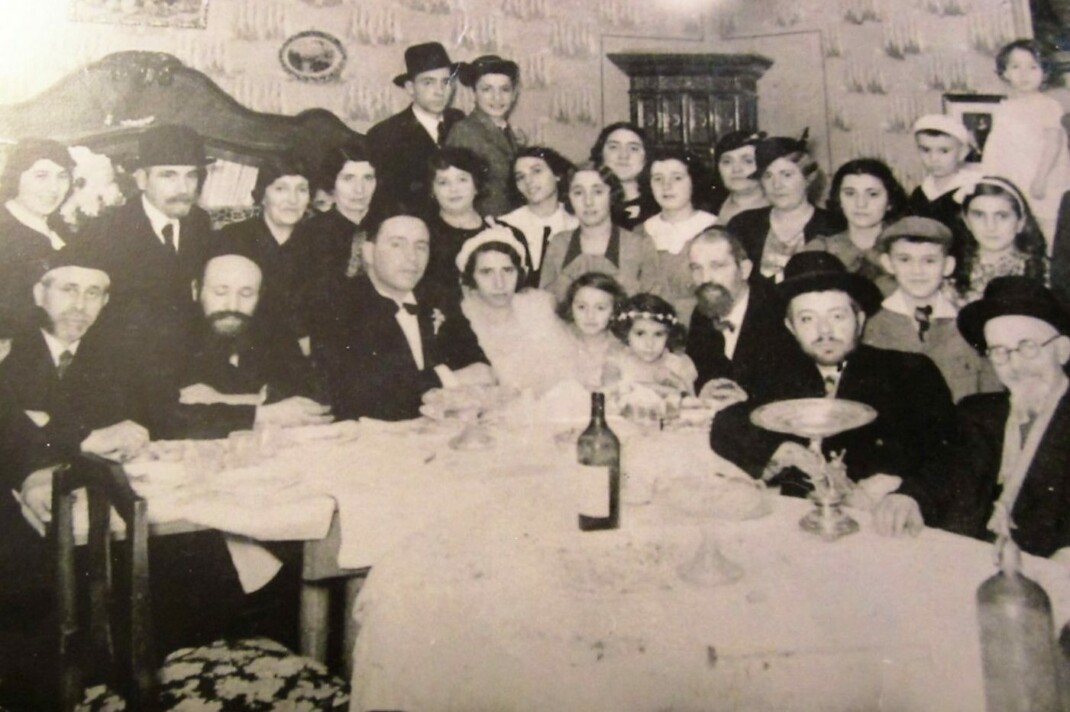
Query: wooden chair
[{"x": 115, "y": 645}]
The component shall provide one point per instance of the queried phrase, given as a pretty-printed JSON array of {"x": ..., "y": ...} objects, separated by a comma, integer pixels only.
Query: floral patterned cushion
[{"x": 250, "y": 675}]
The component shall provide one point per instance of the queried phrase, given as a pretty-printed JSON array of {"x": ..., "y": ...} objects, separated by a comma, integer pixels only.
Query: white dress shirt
[
  {"x": 159, "y": 221},
  {"x": 735, "y": 318},
  {"x": 57, "y": 347},
  {"x": 429, "y": 121}
]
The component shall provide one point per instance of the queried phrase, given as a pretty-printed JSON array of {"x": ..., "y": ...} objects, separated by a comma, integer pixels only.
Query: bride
[{"x": 516, "y": 332}]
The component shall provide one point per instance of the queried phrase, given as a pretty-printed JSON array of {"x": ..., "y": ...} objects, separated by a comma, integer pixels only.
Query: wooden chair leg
[
  {"x": 315, "y": 612},
  {"x": 352, "y": 628}
]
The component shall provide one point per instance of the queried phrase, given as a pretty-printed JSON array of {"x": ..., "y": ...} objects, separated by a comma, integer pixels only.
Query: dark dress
[
  {"x": 441, "y": 286},
  {"x": 253, "y": 237},
  {"x": 633, "y": 213},
  {"x": 317, "y": 258},
  {"x": 751, "y": 227},
  {"x": 22, "y": 249}
]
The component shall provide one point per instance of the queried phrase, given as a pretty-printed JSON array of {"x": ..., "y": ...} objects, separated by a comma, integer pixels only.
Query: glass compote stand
[{"x": 817, "y": 419}]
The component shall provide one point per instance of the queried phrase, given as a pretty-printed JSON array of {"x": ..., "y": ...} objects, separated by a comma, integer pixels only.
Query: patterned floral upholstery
[{"x": 250, "y": 675}]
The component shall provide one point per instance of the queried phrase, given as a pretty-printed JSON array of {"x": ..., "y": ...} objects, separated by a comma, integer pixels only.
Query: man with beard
[
  {"x": 156, "y": 243},
  {"x": 737, "y": 330},
  {"x": 827, "y": 308},
  {"x": 240, "y": 369},
  {"x": 1008, "y": 461}
]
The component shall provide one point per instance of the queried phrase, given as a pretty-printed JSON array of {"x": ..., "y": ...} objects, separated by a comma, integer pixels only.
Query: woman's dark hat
[
  {"x": 774, "y": 147},
  {"x": 735, "y": 140},
  {"x": 823, "y": 272},
  {"x": 423, "y": 58},
  {"x": 1010, "y": 296},
  {"x": 170, "y": 145},
  {"x": 488, "y": 64}
]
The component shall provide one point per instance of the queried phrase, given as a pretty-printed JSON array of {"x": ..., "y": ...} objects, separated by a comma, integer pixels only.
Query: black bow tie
[{"x": 410, "y": 308}]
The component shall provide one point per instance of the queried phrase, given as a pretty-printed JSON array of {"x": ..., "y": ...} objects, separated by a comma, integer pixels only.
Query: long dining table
[{"x": 686, "y": 606}]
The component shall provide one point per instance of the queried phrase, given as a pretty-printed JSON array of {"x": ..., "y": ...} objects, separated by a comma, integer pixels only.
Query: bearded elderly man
[
  {"x": 826, "y": 312},
  {"x": 1008, "y": 461},
  {"x": 240, "y": 368}
]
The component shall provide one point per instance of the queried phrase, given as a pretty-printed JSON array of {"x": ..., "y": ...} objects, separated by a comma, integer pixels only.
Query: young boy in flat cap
[
  {"x": 918, "y": 316},
  {"x": 943, "y": 145}
]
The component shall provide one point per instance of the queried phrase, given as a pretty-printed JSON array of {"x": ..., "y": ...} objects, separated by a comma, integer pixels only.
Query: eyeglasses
[{"x": 1026, "y": 348}]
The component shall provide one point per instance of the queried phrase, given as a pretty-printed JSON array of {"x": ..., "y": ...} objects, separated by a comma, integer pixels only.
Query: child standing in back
[
  {"x": 943, "y": 144},
  {"x": 1028, "y": 143}
]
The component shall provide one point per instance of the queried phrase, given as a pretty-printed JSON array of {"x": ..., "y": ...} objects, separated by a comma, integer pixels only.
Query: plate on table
[{"x": 813, "y": 417}]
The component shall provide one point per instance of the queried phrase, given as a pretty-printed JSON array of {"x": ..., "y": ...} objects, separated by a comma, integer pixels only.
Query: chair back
[{"x": 114, "y": 638}]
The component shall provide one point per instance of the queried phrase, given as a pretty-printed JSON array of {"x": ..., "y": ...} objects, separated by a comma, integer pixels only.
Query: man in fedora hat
[
  {"x": 403, "y": 143},
  {"x": 826, "y": 310},
  {"x": 1007, "y": 464},
  {"x": 155, "y": 244}
]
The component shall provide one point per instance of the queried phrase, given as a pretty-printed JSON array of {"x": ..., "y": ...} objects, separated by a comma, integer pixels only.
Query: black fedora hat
[
  {"x": 86, "y": 255},
  {"x": 170, "y": 145},
  {"x": 1010, "y": 296},
  {"x": 823, "y": 272},
  {"x": 423, "y": 58},
  {"x": 488, "y": 64}
]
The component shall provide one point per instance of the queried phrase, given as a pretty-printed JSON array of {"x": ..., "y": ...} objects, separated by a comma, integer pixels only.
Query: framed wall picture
[
  {"x": 313, "y": 56},
  {"x": 975, "y": 111},
  {"x": 154, "y": 13}
]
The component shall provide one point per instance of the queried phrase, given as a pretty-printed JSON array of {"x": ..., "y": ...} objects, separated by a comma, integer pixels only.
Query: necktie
[
  {"x": 410, "y": 308},
  {"x": 723, "y": 325},
  {"x": 1025, "y": 427},
  {"x": 830, "y": 385},
  {"x": 546, "y": 232},
  {"x": 168, "y": 233},
  {"x": 65, "y": 360},
  {"x": 923, "y": 315},
  {"x": 441, "y": 131}
]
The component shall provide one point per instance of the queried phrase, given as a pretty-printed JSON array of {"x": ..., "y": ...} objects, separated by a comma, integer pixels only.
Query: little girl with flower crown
[{"x": 648, "y": 326}]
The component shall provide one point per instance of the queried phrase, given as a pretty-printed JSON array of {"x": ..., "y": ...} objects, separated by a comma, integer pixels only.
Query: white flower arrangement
[{"x": 94, "y": 187}]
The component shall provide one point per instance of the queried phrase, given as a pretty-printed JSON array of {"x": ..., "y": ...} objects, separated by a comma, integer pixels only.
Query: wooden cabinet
[{"x": 689, "y": 100}]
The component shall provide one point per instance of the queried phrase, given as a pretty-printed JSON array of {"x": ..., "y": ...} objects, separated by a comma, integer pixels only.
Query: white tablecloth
[{"x": 510, "y": 608}]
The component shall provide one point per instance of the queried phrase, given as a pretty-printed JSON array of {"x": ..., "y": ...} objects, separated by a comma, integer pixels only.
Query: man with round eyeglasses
[{"x": 1007, "y": 464}]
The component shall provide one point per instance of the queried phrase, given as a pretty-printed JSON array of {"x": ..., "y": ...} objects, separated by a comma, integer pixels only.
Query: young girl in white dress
[
  {"x": 648, "y": 326},
  {"x": 1027, "y": 144}
]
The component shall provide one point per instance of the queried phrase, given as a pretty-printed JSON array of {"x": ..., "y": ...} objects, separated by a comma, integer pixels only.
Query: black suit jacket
[
  {"x": 1042, "y": 511},
  {"x": 764, "y": 344},
  {"x": 268, "y": 358},
  {"x": 103, "y": 385},
  {"x": 401, "y": 148},
  {"x": 915, "y": 417},
  {"x": 150, "y": 284},
  {"x": 363, "y": 352}
]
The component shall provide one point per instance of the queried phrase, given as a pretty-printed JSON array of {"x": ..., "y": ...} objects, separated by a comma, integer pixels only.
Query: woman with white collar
[
  {"x": 35, "y": 183},
  {"x": 540, "y": 177},
  {"x": 678, "y": 181}
]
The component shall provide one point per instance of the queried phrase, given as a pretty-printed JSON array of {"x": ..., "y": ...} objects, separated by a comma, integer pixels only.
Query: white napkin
[{"x": 255, "y": 564}]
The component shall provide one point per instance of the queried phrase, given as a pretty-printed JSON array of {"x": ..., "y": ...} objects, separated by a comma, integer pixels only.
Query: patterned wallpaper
[{"x": 857, "y": 72}]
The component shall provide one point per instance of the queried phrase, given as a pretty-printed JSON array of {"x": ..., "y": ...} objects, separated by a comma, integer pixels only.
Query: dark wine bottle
[
  {"x": 1017, "y": 639},
  {"x": 598, "y": 451}
]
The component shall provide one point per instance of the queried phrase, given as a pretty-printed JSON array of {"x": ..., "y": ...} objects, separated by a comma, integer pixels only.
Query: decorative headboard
[{"x": 106, "y": 104}]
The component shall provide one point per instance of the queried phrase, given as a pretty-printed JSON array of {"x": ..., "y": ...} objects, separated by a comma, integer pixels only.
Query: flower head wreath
[{"x": 662, "y": 318}]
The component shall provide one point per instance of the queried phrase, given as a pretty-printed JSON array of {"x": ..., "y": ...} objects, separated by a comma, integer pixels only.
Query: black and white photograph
[{"x": 524, "y": 355}]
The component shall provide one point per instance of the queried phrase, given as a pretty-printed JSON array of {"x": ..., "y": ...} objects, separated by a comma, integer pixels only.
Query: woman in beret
[
  {"x": 736, "y": 185},
  {"x": 791, "y": 180}
]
